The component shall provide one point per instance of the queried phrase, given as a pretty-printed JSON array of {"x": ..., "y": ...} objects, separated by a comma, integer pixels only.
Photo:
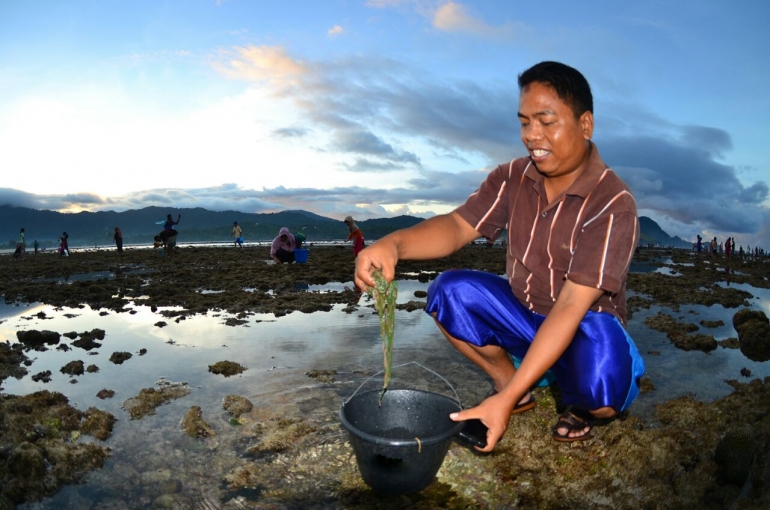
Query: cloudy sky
[{"x": 376, "y": 107}]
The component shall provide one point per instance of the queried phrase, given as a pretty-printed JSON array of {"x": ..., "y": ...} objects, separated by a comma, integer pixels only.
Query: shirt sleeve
[
  {"x": 606, "y": 245},
  {"x": 486, "y": 209}
]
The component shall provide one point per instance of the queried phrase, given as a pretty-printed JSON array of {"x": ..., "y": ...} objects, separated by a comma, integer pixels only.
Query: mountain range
[{"x": 139, "y": 226}]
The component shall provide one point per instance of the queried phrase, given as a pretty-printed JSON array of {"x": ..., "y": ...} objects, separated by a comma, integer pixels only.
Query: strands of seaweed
[{"x": 385, "y": 294}]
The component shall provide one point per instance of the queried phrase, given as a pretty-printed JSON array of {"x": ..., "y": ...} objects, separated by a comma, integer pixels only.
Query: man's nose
[{"x": 532, "y": 132}]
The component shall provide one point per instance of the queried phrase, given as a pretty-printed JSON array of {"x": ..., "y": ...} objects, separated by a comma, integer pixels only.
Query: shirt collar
[{"x": 595, "y": 168}]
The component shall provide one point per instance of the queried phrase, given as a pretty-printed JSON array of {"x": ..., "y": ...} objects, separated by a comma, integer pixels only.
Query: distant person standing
[
  {"x": 118, "y": 238},
  {"x": 169, "y": 234},
  {"x": 36, "y": 246},
  {"x": 64, "y": 247},
  {"x": 170, "y": 223},
  {"x": 237, "y": 233},
  {"x": 22, "y": 242},
  {"x": 699, "y": 244},
  {"x": 355, "y": 234},
  {"x": 282, "y": 249}
]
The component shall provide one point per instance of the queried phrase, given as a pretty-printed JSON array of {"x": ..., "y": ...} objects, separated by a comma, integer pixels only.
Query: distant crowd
[
  {"x": 287, "y": 247},
  {"x": 727, "y": 248}
]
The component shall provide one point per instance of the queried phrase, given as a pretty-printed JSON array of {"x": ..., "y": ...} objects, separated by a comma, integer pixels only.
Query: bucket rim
[{"x": 383, "y": 441}]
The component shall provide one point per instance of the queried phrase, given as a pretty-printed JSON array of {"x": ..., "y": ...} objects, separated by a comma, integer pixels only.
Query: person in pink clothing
[{"x": 283, "y": 247}]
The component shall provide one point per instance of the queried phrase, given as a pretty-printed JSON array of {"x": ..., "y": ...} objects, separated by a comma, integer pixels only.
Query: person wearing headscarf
[
  {"x": 355, "y": 234},
  {"x": 283, "y": 247}
]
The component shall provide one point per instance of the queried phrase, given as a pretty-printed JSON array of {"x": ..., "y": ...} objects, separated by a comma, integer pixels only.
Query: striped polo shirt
[{"x": 588, "y": 234}]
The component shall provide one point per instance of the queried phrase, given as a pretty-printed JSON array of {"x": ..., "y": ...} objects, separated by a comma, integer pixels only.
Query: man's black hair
[{"x": 568, "y": 83}]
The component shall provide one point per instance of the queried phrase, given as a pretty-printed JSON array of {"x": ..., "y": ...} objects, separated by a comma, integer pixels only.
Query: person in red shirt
[{"x": 355, "y": 234}]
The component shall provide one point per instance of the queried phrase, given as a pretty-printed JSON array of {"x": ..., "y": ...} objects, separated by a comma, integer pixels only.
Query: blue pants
[{"x": 600, "y": 368}]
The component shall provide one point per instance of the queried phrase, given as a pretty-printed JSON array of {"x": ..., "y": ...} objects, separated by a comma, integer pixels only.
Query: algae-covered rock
[
  {"x": 37, "y": 455},
  {"x": 697, "y": 342},
  {"x": 27, "y": 461},
  {"x": 325, "y": 376},
  {"x": 194, "y": 425},
  {"x": 746, "y": 315},
  {"x": 119, "y": 357},
  {"x": 236, "y": 405},
  {"x": 34, "y": 339},
  {"x": 149, "y": 399},
  {"x": 735, "y": 454},
  {"x": 98, "y": 423},
  {"x": 88, "y": 339},
  {"x": 105, "y": 393},
  {"x": 76, "y": 367},
  {"x": 226, "y": 368},
  {"x": 754, "y": 339},
  {"x": 11, "y": 359},
  {"x": 677, "y": 332},
  {"x": 44, "y": 376}
]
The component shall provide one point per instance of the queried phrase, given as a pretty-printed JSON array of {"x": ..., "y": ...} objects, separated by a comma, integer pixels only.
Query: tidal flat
[{"x": 214, "y": 380}]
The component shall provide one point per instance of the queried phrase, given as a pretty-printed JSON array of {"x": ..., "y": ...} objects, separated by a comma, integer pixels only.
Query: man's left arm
[
  {"x": 551, "y": 340},
  {"x": 556, "y": 333}
]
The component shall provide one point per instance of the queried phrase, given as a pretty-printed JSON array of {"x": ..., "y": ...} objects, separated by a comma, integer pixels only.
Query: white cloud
[
  {"x": 335, "y": 30},
  {"x": 453, "y": 17}
]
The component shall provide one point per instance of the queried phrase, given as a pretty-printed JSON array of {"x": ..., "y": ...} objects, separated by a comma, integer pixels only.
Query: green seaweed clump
[{"x": 226, "y": 368}]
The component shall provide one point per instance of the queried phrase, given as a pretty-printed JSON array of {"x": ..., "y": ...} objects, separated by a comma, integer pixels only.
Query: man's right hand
[
  {"x": 382, "y": 255},
  {"x": 433, "y": 238}
]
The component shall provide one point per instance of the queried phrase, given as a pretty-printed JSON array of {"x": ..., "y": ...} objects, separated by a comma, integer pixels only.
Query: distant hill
[
  {"x": 651, "y": 233},
  {"x": 201, "y": 225}
]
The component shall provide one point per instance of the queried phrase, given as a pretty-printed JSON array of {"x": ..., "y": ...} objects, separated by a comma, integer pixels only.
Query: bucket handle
[{"x": 457, "y": 398}]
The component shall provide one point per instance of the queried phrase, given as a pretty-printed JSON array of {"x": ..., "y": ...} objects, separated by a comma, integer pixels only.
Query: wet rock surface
[
  {"x": 236, "y": 405},
  {"x": 39, "y": 446},
  {"x": 693, "y": 455},
  {"x": 226, "y": 368},
  {"x": 194, "y": 425},
  {"x": 149, "y": 399},
  {"x": 753, "y": 334},
  {"x": 12, "y": 358},
  {"x": 119, "y": 357}
]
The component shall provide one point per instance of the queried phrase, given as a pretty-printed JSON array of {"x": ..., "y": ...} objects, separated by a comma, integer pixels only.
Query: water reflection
[{"x": 278, "y": 353}]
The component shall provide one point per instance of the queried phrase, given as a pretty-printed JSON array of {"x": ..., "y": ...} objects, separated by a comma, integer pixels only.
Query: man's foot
[{"x": 574, "y": 425}]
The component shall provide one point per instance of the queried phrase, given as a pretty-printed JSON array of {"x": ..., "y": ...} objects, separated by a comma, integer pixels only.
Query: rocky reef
[
  {"x": 41, "y": 445},
  {"x": 691, "y": 454}
]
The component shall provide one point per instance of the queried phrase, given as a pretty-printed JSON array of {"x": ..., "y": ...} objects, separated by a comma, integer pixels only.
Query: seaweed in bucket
[{"x": 385, "y": 301}]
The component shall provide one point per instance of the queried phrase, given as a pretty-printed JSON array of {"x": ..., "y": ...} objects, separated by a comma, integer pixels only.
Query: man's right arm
[{"x": 431, "y": 239}]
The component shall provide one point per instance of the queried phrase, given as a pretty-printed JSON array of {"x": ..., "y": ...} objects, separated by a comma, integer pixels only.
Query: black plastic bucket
[{"x": 401, "y": 444}]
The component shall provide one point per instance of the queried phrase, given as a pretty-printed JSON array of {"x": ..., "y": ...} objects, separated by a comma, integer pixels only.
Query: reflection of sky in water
[
  {"x": 279, "y": 351},
  {"x": 182, "y": 350},
  {"x": 761, "y": 300}
]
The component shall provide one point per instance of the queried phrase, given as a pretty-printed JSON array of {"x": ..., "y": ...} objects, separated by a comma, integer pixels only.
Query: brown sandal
[{"x": 574, "y": 420}]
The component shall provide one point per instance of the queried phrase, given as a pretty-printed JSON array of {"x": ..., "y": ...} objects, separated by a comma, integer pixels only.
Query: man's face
[{"x": 555, "y": 139}]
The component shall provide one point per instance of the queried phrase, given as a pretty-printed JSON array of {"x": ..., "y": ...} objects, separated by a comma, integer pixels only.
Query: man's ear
[{"x": 586, "y": 121}]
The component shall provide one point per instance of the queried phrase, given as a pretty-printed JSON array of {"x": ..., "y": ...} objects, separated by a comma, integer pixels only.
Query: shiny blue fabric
[{"x": 600, "y": 368}]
